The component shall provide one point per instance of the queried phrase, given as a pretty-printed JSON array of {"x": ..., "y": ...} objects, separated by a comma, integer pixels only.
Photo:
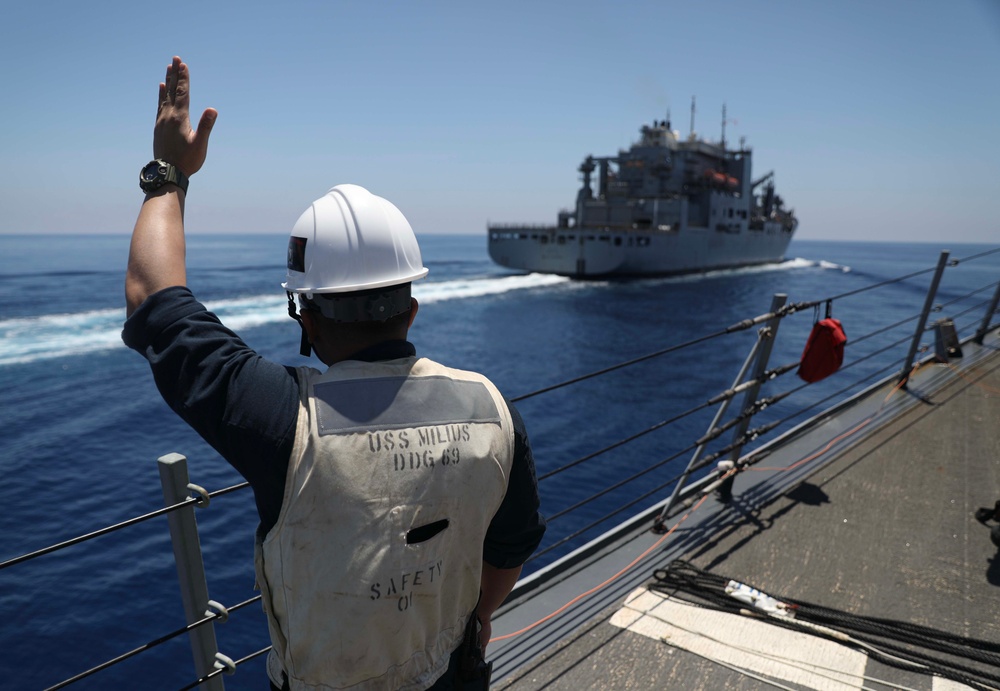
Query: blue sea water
[{"x": 82, "y": 423}]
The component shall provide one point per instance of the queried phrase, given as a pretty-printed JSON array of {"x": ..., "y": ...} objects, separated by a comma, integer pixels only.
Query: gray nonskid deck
[{"x": 884, "y": 528}]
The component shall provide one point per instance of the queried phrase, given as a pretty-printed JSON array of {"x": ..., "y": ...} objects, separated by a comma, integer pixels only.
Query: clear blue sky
[{"x": 878, "y": 116}]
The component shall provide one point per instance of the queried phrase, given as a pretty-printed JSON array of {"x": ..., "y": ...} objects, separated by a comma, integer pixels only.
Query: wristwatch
[{"x": 158, "y": 173}]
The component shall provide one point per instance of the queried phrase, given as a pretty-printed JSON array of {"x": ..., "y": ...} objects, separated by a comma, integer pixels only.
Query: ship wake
[{"x": 31, "y": 339}]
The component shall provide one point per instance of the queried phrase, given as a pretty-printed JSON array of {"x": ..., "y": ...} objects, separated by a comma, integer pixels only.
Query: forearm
[
  {"x": 495, "y": 586},
  {"x": 156, "y": 255}
]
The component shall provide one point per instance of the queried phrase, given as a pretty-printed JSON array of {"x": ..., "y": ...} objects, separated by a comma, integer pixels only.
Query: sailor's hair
[{"x": 374, "y": 305}]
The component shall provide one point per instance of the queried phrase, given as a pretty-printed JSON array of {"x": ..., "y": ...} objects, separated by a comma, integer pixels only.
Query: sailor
[{"x": 397, "y": 497}]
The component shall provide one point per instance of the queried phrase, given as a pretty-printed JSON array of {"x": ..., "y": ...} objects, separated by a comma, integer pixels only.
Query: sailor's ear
[
  {"x": 413, "y": 311},
  {"x": 310, "y": 324}
]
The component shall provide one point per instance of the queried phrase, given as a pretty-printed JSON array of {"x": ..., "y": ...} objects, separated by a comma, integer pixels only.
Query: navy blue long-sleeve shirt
[{"x": 246, "y": 408}]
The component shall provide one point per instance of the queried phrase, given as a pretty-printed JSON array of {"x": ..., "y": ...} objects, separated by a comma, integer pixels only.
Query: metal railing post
[
  {"x": 723, "y": 407},
  {"x": 725, "y": 489},
  {"x": 922, "y": 323},
  {"x": 988, "y": 317},
  {"x": 190, "y": 566}
]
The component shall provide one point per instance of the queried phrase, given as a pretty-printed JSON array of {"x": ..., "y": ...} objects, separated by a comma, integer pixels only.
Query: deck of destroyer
[{"x": 880, "y": 524}]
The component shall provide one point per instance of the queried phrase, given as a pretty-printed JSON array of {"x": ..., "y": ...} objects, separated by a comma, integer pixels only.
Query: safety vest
[{"x": 373, "y": 567}]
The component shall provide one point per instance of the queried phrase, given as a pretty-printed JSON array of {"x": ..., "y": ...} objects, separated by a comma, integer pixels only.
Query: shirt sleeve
[
  {"x": 244, "y": 406},
  {"x": 517, "y": 527}
]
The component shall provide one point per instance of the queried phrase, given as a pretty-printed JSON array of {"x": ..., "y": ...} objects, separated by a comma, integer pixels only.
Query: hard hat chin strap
[{"x": 305, "y": 348}]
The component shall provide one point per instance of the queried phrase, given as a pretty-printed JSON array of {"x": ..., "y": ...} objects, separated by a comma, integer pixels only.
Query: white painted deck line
[
  {"x": 756, "y": 646},
  {"x": 948, "y": 685}
]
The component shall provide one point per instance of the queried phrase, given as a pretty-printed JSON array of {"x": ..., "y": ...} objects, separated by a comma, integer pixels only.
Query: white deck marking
[
  {"x": 948, "y": 685},
  {"x": 744, "y": 642}
]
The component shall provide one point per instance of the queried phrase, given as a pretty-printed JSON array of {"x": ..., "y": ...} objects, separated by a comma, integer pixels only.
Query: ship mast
[
  {"x": 723, "y": 126},
  {"x": 692, "y": 117}
]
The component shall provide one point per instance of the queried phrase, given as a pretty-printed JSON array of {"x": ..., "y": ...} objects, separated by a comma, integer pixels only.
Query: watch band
[{"x": 158, "y": 173}]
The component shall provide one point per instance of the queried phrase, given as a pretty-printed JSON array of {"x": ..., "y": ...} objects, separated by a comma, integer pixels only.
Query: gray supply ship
[{"x": 664, "y": 206}]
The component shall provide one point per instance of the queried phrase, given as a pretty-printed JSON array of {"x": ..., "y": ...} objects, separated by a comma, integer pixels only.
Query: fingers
[
  {"x": 182, "y": 83},
  {"x": 205, "y": 128},
  {"x": 173, "y": 138},
  {"x": 170, "y": 81},
  {"x": 175, "y": 84},
  {"x": 207, "y": 120}
]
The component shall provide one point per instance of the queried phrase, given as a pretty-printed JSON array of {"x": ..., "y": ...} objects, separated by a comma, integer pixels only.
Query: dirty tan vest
[{"x": 373, "y": 567}]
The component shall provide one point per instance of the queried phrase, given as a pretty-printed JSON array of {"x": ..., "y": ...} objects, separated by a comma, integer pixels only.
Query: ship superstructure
[{"x": 664, "y": 206}]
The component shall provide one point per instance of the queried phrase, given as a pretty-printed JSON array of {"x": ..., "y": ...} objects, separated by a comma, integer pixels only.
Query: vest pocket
[{"x": 425, "y": 532}]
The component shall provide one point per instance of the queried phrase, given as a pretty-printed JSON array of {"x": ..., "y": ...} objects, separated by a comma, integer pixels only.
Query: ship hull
[{"x": 593, "y": 253}]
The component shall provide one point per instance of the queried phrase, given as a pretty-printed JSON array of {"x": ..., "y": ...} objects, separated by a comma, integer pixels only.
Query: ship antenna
[
  {"x": 692, "y": 116},
  {"x": 723, "y": 126}
]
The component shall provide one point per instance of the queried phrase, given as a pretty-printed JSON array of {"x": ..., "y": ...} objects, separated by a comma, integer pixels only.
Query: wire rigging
[
  {"x": 97, "y": 533},
  {"x": 118, "y": 526},
  {"x": 985, "y": 253},
  {"x": 222, "y": 670},
  {"x": 739, "y": 326},
  {"x": 152, "y": 644},
  {"x": 635, "y": 436}
]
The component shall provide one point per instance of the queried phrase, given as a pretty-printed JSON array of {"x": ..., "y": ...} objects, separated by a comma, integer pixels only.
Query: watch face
[{"x": 157, "y": 173}]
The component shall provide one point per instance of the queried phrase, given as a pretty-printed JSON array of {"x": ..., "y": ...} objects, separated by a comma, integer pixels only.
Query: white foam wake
[
  {"x": 830, "y": 265},
  {"x": 788, "y": 264},
  {"x": 796, "y": 263},
  {"x": 29, "y": 339}
]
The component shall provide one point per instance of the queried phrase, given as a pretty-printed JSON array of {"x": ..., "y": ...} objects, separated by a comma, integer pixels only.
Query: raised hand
[{"x": 173, "y": 139}]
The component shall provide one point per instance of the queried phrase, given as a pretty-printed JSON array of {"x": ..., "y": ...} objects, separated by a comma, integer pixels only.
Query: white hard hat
[{"x": 350, "y": 240}]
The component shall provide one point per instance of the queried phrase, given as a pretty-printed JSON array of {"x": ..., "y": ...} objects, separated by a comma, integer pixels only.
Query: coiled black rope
[{"x": 907, "y": 642}]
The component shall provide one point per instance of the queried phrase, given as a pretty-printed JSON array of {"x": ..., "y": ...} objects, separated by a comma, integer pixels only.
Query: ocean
[{"x": 82, "y": 423}]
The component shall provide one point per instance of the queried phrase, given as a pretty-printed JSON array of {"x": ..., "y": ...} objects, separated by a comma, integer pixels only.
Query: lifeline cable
[
  {"x": 222, "y": 670},
  {"x": 833, "y": 395},
  {"x": 978, "y": 305},
  {"x": 739, "y": 326},
  {"x": 969, "y": 295},
  {"x": 118, "y": 526},
  {"x": 593, "y": 524},
  {"x": 626, "y": 440},
  {"x": 985, "y": 253},
  {"x": 749, "y": 462},
  {"x": 152, "y": 644},
  {"x": 98, "y": 533},
  {"x": 839, "y": 392}
]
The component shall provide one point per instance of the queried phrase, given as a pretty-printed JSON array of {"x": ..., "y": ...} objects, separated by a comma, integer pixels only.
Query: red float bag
[{"x": 824, "y": 351}]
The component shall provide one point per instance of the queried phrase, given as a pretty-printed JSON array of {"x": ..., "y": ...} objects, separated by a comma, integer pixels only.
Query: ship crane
[
  {"x": 587, "y": 168},
  {"x": 759, "y": 181}
]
